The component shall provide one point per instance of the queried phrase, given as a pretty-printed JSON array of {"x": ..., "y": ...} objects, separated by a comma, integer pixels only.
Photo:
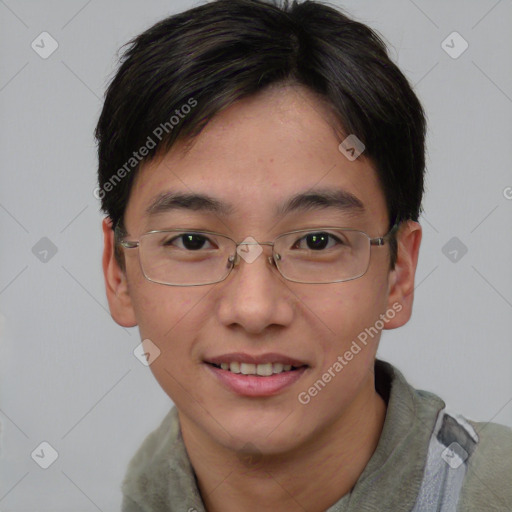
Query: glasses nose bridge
[{"x": 237, "y": 256}]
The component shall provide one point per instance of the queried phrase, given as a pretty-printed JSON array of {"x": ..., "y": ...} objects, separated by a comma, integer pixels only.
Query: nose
[{"x": 255, "y": 295}]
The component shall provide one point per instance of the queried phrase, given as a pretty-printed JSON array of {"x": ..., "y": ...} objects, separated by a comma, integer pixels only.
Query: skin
[{"x": 260, "y": 151}]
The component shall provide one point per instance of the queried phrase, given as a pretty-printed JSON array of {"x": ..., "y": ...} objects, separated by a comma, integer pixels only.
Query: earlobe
[
  {"x": 401, "y": 279},
  {"x": 116, "y": 285}
]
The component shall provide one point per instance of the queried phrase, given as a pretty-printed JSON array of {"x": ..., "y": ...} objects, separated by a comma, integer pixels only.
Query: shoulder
[
  {"x": 468, "y": 462},
  {"x": 155, "y": 446},
  {"x": 488, "y": 482},
  {"x": 155, "y": 466}
]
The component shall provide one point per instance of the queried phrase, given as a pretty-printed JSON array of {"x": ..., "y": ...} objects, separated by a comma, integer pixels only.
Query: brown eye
[
  {"x": 317, "y": 241},
  {"x": 189, "y": 241}
]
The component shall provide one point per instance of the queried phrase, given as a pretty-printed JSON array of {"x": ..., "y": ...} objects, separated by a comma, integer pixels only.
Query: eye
[
  {"x": 317, "y": 241},
  {"x": 188, "y": 241}
]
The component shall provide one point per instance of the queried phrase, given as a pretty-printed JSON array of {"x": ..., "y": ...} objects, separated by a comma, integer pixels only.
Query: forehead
[{"x": 255, "y": 157}]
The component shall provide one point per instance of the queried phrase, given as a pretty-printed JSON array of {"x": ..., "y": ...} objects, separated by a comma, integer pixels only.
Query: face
[{"x": 253, "y": 157}]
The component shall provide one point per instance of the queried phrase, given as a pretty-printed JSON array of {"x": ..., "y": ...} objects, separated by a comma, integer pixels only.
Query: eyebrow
[
  {"x": 169, "y": 201},
  {"x": 319, "y": 199},
  {"x": 326, "y": 198}
]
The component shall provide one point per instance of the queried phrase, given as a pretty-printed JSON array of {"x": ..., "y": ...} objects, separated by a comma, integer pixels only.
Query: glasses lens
[
  {"x": 185, "y": 258},
  {"x": 323, "y": 255}
]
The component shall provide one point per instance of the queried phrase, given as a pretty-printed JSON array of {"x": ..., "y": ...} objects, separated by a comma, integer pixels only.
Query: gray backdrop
[{"x": 68, "y": 374}]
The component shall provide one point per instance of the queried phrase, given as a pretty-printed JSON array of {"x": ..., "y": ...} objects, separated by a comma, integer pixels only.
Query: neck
[{"x": 339, "y": 453}]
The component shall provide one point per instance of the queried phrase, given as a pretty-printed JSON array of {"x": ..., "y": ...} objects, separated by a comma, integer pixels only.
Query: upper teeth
[{"x": 256, "y": 369}]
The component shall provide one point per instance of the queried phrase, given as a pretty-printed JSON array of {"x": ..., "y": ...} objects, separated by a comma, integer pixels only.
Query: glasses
[{"x": 184, "y": 257}]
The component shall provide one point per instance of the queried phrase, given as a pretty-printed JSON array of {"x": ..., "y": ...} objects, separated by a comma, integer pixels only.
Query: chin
[{"x": 270, "y": 432}]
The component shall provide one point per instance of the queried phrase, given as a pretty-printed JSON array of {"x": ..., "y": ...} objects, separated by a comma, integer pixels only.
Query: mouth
[
  {"x": 248, "y": 375},
  {"x": 261, "y": 370}
]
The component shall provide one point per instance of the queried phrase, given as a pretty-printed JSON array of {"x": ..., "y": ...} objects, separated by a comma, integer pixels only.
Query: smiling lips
[{"x": 242, "y": 373}]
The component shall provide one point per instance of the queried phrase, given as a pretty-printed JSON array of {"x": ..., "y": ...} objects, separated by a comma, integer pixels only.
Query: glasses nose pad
[
  {"x": 274, "y": 259},
  {"x": 232, "y": 261}
]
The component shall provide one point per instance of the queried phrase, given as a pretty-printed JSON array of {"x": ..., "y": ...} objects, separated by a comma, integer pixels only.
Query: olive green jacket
[{"x": 427, "y": 460}]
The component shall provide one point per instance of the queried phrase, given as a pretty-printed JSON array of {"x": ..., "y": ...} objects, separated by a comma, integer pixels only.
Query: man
[{"x": 261, "y": 168}]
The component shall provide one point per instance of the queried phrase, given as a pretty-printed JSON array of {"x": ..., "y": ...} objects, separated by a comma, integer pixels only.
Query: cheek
[
  {"x": 344, "y": 313},
  {"x": 157, "y": 307},
  {"x": 165, "y": 313},
  {"x": 348, "y": 307},
  {"x": 171, "y": 318},
  {"x": 346, "y": 354}
]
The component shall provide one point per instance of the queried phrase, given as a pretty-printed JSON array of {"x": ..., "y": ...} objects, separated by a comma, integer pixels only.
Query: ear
[
  {"x": 116, "y": 285},
  {"x": 401, "y": 279}
]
